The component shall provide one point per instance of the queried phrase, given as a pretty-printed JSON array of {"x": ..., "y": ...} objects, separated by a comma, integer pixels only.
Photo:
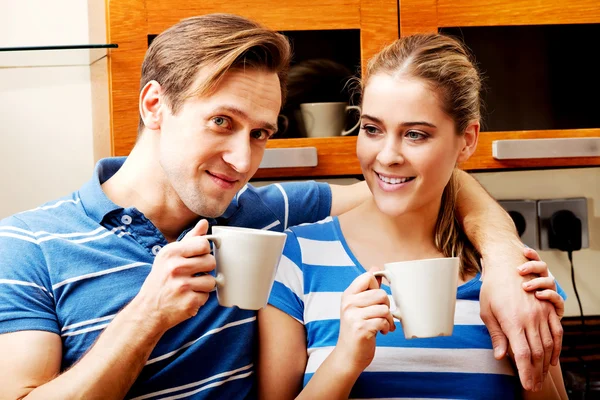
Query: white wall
[
  {"x": 54, "y": 104},
  {"x": 556, "y": 184}
]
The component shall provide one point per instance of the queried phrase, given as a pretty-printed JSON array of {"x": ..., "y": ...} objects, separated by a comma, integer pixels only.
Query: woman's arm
[
  {"x": 281, "y": 355},
  {"x": 282, "y": 361},
  {"x": 553, "y": 389}
]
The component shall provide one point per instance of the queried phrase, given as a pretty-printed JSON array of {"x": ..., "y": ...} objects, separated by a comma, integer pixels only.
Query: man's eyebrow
[
  {"x": 236, "y": 111},
  {"x": 407, "y": 124}
]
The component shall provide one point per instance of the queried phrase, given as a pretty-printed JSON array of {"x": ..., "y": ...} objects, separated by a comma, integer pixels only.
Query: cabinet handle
[
  {"x": 546, "y": 148},
  {"x": 290, "y": 157}
]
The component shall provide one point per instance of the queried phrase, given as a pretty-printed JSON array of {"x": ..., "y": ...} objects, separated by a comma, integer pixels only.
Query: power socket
[
  {"x": 525, "y": 216},
  {"x": 545, "y": 210}
]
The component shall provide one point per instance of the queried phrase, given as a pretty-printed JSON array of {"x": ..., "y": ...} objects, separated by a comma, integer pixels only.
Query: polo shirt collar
[
  {"x": 93, "y": 199},
  {"x": 97, "y": 205}
]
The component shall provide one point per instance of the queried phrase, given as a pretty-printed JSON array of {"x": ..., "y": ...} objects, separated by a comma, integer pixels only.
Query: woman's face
[{"x": 408, "y": 146}]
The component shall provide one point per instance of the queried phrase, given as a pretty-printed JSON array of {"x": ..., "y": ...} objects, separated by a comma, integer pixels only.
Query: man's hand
[
  {"x": 514, "y": 316},
  {"x": 178, "y": 285}
]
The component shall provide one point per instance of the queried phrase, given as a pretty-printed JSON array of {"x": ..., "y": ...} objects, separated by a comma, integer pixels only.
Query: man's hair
[{"x": 219, "y": 42}]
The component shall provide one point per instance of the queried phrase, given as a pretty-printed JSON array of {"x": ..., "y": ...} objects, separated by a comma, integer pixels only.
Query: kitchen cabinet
[
  {"x": 132, "y": 22},
  {"x": 529, "y": 27}
]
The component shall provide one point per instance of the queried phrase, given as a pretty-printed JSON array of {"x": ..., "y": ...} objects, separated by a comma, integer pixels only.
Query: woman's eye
[
  {"x": 371, "y": 130},
  {"x": 414, "y": 135}
]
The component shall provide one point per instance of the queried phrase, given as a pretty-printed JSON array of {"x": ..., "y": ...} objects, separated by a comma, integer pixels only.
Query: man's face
[{"x": 215, "y": 143}]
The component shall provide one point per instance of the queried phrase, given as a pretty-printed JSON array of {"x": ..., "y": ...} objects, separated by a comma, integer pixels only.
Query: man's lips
[
  {"x": 224, "y": 177},
  {"x": 222, "y": 180}
]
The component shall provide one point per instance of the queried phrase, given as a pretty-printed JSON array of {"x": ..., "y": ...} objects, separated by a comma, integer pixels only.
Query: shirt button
[
  {"x": 126, "y": 219},
  {"x": 156, "y": 249}
]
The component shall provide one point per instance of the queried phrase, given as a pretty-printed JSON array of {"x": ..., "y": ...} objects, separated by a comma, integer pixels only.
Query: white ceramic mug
[
  {"x": 425, "y": 295},
  {"x": 247, "y": 261},
  {"x": 326, "y": 119}
]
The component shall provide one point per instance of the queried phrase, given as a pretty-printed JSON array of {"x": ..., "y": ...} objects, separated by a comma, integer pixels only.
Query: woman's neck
[{"x": 377, "y": 238}]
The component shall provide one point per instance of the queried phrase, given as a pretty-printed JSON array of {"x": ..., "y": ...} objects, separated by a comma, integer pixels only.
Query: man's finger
[
  {"x": 522, "y": 354},
  {"x": 200, "y": 229},
  {"x": 548, "y": 346},
  {"x": 499, "y": 341},
  {"x": 193, "y": 246},
  {"x": 537, "y": 355},
  {"x": 557, "y": 335}
]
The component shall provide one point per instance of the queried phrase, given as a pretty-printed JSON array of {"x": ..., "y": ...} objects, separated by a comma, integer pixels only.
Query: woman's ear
[
  {"x": 470, "y": 137},
  {"x": 151, "y": 104}
]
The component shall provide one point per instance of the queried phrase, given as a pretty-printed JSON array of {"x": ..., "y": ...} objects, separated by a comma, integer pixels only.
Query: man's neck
[{"x": 141, "y": 183}]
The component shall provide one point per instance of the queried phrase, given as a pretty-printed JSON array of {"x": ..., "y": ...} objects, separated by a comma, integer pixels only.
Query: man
[{"x": 105, "y": 292}]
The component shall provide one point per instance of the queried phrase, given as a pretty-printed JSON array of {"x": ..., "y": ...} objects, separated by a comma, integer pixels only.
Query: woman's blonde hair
[
  {"x": 445, "y": 65},
  {"x": 220, "y": 42}
]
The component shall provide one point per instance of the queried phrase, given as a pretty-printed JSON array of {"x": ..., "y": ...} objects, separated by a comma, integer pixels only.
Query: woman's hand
[
  {"x": 544, "y": 285},
  {"x": 365, "y": 310}
]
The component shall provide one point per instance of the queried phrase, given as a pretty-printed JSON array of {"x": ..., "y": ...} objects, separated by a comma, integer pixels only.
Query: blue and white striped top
[
  {"x": 317, "y": 266},
  {"x": 69, "y": 266}
]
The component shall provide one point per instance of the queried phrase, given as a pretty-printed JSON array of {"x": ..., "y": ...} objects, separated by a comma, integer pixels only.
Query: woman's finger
[
  {"x": 534, "y": 267},
  {"x": 540, "y": 284},
  {"x": 553, "y": 297},
  {"x": 531, "y": 254},
  {"x": 370, "y": 297}
]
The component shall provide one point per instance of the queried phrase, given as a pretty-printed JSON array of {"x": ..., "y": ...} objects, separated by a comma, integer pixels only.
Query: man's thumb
[{"x": 199, "y": 230}]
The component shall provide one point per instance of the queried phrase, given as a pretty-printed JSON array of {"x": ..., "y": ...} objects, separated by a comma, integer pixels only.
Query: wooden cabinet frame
[{"x": 380, "y": 21}]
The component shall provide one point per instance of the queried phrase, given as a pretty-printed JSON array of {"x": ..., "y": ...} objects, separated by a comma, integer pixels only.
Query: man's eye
[
  {"x": 259, "y": 135},
  {"x": 221, "y": 122}
]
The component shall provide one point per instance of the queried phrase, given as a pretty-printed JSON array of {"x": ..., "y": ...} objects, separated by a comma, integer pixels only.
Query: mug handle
[
  {"x": 220, "y": 279},
  {"x": 396, "y": 313},
  {"x": 344, "y": 133}
]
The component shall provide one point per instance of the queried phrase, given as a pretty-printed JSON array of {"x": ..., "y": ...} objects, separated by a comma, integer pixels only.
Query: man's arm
[
  {"x": 346, "y": 197},
  {"x": 171, "y": 294},
  {"x": 531, "y": 326},
  {"x": 31, "y": 369}
]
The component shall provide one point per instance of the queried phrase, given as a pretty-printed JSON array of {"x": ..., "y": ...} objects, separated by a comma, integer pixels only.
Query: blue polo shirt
[{"x": 69, "y": 266}]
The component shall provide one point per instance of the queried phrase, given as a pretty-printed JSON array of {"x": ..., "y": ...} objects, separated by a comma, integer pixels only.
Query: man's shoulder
[
  {"x": 64, "y": 211},
  {"x": 323, "y": 230}
]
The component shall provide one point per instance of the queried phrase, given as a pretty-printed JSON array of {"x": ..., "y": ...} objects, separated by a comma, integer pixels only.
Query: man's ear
[
  {"x": 470, "y": 137},
  {"x": 151, "y": 105}
]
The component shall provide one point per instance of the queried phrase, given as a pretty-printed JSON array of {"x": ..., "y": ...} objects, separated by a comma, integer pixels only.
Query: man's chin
[{"x": 212, "y": 211}]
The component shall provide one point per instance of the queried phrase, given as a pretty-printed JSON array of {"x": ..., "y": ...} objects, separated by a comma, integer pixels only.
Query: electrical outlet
[
  {"x": 546, "y": 208},
  {"x": 524, "y": 214}
]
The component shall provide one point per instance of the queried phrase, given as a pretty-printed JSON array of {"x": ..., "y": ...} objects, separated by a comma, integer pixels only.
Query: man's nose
[{"x": 239, "y": 152}]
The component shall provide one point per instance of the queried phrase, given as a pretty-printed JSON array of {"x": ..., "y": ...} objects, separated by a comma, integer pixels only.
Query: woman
[{"x": 420, "y": 118}]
